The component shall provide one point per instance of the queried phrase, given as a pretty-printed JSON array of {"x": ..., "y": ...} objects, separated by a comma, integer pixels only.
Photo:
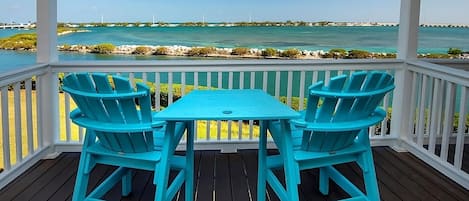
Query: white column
[
  {"x": 407, "y": 49},
  {"x": 46, "y": 31},
  {"x": 408, "y": 29},
  {"x": 48, "y": 84}
]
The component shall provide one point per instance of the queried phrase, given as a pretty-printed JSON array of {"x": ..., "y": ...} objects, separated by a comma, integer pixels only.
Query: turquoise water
[
  {"x": 305, "y": 38},
  {"x": 374, "y": 39}
]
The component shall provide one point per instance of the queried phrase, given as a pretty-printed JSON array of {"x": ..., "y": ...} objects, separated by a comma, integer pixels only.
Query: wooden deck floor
[{"x": 233, "y": 177}]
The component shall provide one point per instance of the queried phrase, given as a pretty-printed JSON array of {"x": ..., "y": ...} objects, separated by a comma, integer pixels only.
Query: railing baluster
[
  {"x": 18, "y": 130},
  {"x": 5, "y": 129},
  {"x": 301, "y": 93},
  {"x": 384, "y": 123},
  {"x": 448, "y": 120},
  {"x": 421, "y": 116},
  {"x": 132, "y": 79},
  {"x": 81, "y": 133},
  {"x": 252, "y": 77},
  {"x": 327, "y": 77},
  {"x": 144, "y": 77},
  {"x": 38, "y": 112},
  {"x": 240, "y": 123},
  {"x": 264, "y": 80},
  {"x": 315, "y": 77},
  {"x": 183, "y": 83},
  {"x": 435, "y": 113},
  {"x": 230, "y": 86},
  {"x": 208, "y": 123},
  {"x": 230, "y": 80},
  {"x": 29, "y": 115},
  {"x": 67, "y": 117},
  {"x": 157, "y": 91},
  {"x": 196, "y": 80},
  {"x": 459, "y": 150},
  {"x": 289, "y": 88},
  {"x": 412, "y": 103},
  {"x": 220, "y": 86},
  {"x": 277, "y": 84},
  {"x": 170, "y": 88}
]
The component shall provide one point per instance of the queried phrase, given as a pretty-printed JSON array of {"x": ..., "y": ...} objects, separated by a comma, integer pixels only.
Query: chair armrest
[
  {"x": 376, "y": 117},
  {"x": 335, "y": 94},
  {"x": 109, "y": 96},
  {"x": 79, "y": 119}
]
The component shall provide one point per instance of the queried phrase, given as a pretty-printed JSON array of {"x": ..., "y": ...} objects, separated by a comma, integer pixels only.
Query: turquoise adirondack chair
[
  {"x": 120, "y": 132},
  {"x": 333, "y": 130}
]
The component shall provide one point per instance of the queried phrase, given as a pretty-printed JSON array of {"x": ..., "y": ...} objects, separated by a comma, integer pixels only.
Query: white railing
[
  {"x": 438, "y": 117},
  {"x": 426, "y": 118},
  {"x": 287, "y": 80},
  {"x": 21, "y": 134}
]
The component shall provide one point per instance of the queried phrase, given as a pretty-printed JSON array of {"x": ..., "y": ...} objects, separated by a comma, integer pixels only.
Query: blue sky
[{"x": 432, "y": 11}]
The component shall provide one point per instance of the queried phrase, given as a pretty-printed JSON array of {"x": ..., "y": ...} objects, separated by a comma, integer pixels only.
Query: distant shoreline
[{"x": 243, "y": 24}]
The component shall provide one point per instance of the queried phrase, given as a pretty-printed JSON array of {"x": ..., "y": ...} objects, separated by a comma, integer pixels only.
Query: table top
[{"x": 236, "y": 104}]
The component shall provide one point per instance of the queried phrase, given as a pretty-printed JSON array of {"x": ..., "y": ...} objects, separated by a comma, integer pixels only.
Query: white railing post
[
  {"x": 406, "y": 49},
  {"x": 401, "y": 107},
  {"x": 48, "y": 117},
  {"x": 48, "y": 86}
]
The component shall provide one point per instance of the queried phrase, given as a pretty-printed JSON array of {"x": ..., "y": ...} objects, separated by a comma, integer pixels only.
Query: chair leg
[
  {"x": 81, "y": 182},
  {"x": 323, "y": 181},
  {"x": 127, "y": 183},
  {"x": 371, "y": 184}
]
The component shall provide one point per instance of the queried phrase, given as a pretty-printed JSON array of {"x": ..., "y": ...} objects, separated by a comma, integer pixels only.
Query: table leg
[
  {"x": 291, "y": 168},
  {"x": 262, "y": 161},
  {"x": 190, "y": 161}
]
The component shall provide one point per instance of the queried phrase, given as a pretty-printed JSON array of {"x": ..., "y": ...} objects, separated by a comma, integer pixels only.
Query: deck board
[{"x": 233, "y": 177}]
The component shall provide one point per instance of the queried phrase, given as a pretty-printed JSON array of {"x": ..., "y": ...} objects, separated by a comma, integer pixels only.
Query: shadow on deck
[{"x": 233, "y": 177}]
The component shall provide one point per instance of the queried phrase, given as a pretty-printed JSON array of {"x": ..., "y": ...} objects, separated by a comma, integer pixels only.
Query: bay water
[{"x": 373, "y": 39}]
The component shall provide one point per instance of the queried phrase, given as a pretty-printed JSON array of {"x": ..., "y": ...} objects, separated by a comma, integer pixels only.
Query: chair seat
[
  {"x": 299, "y": 154},
  {"x": 306, "y": 155},
  {"x": 97, "y": 148}
]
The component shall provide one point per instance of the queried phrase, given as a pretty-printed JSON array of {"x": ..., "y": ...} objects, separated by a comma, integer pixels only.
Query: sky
[{"x": 432, "y": 11}]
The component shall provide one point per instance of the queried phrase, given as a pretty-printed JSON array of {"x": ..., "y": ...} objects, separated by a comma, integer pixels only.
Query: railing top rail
[
  {"x": 214, "y": 65},
  {"x": 21, "y": 74},
  {"x": 440, "y": 71}
]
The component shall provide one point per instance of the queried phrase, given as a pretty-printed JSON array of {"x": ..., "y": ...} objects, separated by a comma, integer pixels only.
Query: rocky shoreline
[{"x": 239, "y": 52}]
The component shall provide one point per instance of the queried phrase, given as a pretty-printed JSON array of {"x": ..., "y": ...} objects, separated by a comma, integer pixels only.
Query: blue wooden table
[{"x": 245, "y": 104}]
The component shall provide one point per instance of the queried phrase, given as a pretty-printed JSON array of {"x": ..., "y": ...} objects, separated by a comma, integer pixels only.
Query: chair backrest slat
[
  {"x": 86, "y": 84},
  {"x": 327, "y": 109},
  {"x": 359, "y": 108},
  {"x": 128, "y": 106},
  {"x": 112, "y": 106},
  {"x": 313, "y": 102},
  {"x": 145, "y": 104},
  {"x": 376, "y": 99},
  {"x": 343, "y": 109},
  {"x": 82, "y": 103}
]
